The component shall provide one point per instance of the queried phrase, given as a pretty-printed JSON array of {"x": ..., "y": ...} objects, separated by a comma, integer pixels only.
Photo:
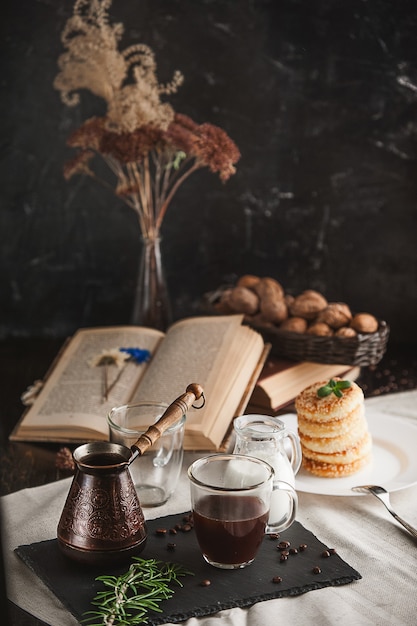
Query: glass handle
[
  {"x": 296, "y": 454},
  {"x": 284, "y": 514}
]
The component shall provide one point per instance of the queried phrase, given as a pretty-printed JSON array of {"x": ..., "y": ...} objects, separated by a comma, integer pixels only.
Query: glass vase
[{"x": 152, "y": 305}]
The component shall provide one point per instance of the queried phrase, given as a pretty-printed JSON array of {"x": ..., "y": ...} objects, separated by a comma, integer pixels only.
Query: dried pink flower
[
  {"x": 216, "y": 150},
  {"x": 131, "y": 147}
]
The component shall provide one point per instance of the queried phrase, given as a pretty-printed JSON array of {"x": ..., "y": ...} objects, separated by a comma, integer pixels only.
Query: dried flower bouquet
[{"x": 150, "y": 148}]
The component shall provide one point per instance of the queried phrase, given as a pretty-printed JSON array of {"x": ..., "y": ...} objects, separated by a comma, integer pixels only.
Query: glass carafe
[{"x": 268, "y": 438}]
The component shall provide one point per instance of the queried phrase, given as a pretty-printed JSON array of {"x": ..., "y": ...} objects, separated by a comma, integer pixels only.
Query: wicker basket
[{"x": 364, "y": 349}]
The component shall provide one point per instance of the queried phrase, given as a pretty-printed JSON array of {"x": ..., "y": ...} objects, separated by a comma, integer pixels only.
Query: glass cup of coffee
[
  {"x": 155, "y": 474},
  {"x": 230, "y": 501}
]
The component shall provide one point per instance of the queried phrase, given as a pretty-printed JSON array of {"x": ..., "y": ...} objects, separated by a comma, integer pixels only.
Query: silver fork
[{"x": 383, "y": 495}]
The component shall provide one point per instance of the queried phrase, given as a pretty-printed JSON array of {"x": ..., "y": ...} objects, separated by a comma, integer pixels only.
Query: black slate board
[{"x": 76, "y": 586}]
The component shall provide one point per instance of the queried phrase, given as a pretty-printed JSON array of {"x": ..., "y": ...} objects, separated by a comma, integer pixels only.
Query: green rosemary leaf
[{"x": 130, "y": 596}]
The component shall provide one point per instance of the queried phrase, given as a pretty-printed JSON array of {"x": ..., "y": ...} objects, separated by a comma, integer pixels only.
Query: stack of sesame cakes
[{"x": 333, "y": 430}]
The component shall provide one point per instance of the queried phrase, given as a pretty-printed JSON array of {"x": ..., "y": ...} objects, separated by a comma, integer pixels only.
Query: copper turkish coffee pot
[{"x": 102, "y": 520}]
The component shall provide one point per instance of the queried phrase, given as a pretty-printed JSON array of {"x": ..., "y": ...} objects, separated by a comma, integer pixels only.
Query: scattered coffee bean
[
  {"x": 283, "y": 545},
  {"x": 332, "y": 551},
  {"x": 325, "y": 554},
  {"x": 283, "y": 557},
  {"x": 273, "y": 536},
  {"x": 171, "y": 546},
  {"x": 316, "y": 570},
  {"x": 205, "y": 583},
  {"x": 293, "y": 551},
  {"x": 186, "y": 528},
  {"x": 302, "y": 547},
  {"x": 161, "y": 531},
  {"x": 277, "y": 579}
]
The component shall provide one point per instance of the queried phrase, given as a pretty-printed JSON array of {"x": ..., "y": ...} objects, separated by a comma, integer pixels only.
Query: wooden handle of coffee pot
[{"x": 172, "y": 414}]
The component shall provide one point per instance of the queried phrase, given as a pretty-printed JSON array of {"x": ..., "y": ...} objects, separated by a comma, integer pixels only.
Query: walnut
[
  {"x": 294, "y": 324},
  {"x": 248, "y": 280},
  {"x": 336, "y": 315},
  {"x": 364, "y": 323},
  {"x": 289, "y": 299},
  {"x": 222, "y": 305},
  {"x": 346, "y": 331},
  {"x": 320, "y": 329},
  {"x": 273, "y": 310},
  {"x": 243, "y": 300},
  {"x": 269, "y": 288},
  {"x": 308, "y": 304}
]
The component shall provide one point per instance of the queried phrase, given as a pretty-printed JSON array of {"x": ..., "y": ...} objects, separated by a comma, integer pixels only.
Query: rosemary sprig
[
  {"x": 134, "y": 593},
  {"x": 333, "y": 386}
]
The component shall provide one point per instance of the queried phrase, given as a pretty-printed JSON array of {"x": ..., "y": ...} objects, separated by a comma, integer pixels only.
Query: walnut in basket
[
  {"x": 346, "y": 331},
  {"x": 269, "y": 289},
  {"x": 336, "y": 315},
  {"x": 294, "y": 325},
  {"x": 222, "y": 306},
  {"x": 320, "y": 329},
  {"x": 248, "y": 280},
  {"x": 243, "y": 300},
  {"x": 308, "y": 304},
  {"x": 274, "y": 311},
  {"x": 364, "y": 323}
]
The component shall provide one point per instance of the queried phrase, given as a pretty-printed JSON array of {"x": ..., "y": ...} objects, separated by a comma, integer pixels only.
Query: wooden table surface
[{"x": 23, "y": 465}]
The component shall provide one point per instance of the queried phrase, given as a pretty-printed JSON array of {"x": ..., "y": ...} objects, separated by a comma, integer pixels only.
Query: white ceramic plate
[{"x": 394, "y": 464}]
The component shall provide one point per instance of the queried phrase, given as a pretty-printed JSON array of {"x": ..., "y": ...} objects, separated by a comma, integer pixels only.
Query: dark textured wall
[{"x": 321, "y": 98}]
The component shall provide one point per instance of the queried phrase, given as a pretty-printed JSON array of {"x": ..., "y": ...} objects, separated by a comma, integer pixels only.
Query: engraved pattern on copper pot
[{"x": 102, "y": 509}]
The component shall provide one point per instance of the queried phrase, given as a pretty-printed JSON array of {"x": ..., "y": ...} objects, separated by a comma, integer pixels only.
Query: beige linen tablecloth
[{"x": 359, "y": 527}]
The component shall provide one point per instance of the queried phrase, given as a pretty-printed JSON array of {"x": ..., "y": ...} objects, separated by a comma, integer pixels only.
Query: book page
[
  {"x": 73, "y": 396},
  {"x": 192, "y": 350},
  {"x": 247, "y": 349},
  {"x": 216, "y": 352}
]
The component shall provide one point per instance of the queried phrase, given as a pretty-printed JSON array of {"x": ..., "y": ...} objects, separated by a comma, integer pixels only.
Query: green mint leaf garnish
[
  {"x": 333, "y": 386},
  {"x": 344, "y": 384},
  {"x": 322, "y": 392}
]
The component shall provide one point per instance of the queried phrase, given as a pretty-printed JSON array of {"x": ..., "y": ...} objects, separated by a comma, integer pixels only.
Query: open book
[
  {"x": 219, "y": 353},
  {"x": 281, "y": 380}
]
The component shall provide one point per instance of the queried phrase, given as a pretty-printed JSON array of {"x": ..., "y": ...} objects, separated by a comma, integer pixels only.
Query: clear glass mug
[
  {"x": 230, "y": 502},
  {"x": 156, "y": 473}
]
